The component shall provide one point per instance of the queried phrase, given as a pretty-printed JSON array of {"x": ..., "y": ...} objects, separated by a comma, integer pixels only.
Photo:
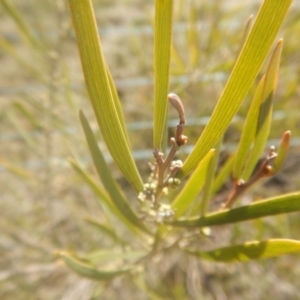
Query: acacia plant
[{"x": 165, "y": 219}]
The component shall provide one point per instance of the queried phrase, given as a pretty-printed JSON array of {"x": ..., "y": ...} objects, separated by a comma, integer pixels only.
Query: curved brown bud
[{"x": 177, "y": 104}]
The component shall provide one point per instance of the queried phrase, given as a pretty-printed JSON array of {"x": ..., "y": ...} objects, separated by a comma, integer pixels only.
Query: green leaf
[
  {"x": 25, "y": 65},
  {"x": 67, "y": 90},
  {"x": 193, "y": 186},
  {"x": 265, "y": 112},
  {"x": 281, "y": 152},
  {"x": 249, "y": 62},
  {"x": 103, "y": 198},
  {"x": 179, "y": 65},
  {"x": 21, "y": 25},
  {"x": 28, "y": 115},
  {"x": 109, "y": 183},
  {"x": 20, "y": 172},
  {"x": 162, "y": 54},
  {"x": 105, "y": 256},
  {"x": 192, "y": 36},
  {"x": 118, "y": 105},
  {"x": 102, "y": 94},
  {"x": 207, "y": 189},
  {"x": 223, "y": 175},
  {"x": 100, "y": 192},
  {"x": 38, "y": 108},
  {"x": 245, "y": 33},
  {"x": 273, "y": 206},
  {"x": 87, "y": 270},
  {"x": 250, "y": 251},
  {"x": 105, "y": 230},
  {"x": 248, "y": 133}
]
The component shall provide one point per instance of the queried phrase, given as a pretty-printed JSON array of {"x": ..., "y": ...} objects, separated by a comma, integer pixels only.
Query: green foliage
[
  {"x": 110, "y": 185},
  {"x": 193, "y": 187},
  {"x": 86, "y": 270},
  {"x": 264, "y": 118},
  {"x": 162, "y": 54},
  {"x": 282, "y": 152},
  {"x": 166, "y": 171},
  {"x": 168, "y": 220},
  {"x": 102, "y": 92},
  {"x": 249, "y": 63},
  {"x": 250, "y": 250},
  {"x": 268, "y": 207}
]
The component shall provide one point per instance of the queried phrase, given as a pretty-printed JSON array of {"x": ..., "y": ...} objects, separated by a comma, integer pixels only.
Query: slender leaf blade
[
  {"x": 245, "y": 34},
  {"x": 207, "y": 189},
  {"x": 20, "y": 172},
  {"x": 109, "y": 183},
  {"x": 100, "y": 91},
  {"x": 117, "y": 104},
  {"x": 282, "y": 152},
  {"x": 103, "y": 198},
  {"x": 273, "y": 206},
  {"x": 104, "y": 256},
  {"x": 193, "y": 187},
  {"x": 265, "y": 112},
  {"x": 21, "y": 25},
  {"x": 223, "y": 174},
  {"x": 252, "y": 250},
  {"x": 9, "y": 48},
  {"x": 162, "y": 54},
  {"x": 83, "y": 269},
  {"x": 248, "y": 133},
  {"x": 28, "y": 115},
  {"x": 105, "y": 230},
  {"x": 249, "y": 62}
]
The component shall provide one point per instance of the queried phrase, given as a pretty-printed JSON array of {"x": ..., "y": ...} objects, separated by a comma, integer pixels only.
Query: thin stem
[
  {"x": 170, "y": 156},
  {"x": 240, "y": 186},
  {"x": 162, "y": 167},
  {"x": 177, "y": 141}
]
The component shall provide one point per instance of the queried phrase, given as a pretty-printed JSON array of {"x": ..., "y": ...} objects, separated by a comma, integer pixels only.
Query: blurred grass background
[{"x": 44, "y": 203}]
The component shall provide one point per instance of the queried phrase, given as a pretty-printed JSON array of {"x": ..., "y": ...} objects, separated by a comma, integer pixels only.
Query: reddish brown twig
[{"x": 240, "y": 186}]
